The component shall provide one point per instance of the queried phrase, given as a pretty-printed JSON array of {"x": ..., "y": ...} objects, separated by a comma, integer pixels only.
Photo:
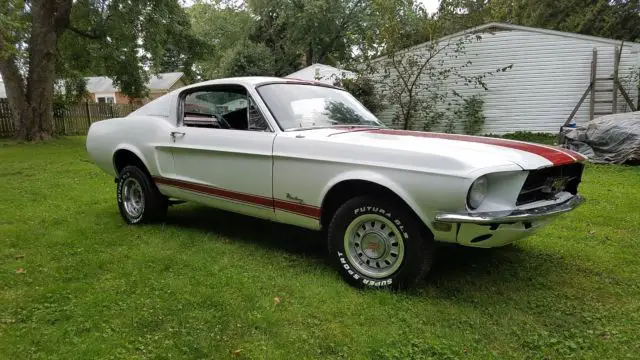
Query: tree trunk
[
  {"x": 309, "y": 55},
  {"x": 32, "y": 105},
  {"x": 15, "y": 89},
  {"x": 407, "y": 115}
]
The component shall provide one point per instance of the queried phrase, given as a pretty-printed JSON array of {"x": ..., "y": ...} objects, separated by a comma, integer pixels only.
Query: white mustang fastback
[{"x": 311, "y": 155}]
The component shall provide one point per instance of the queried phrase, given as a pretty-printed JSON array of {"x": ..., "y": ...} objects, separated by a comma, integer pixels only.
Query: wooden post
[
  {"x": 65, "y": 113},
  {"x": 616, "y": 64},
  {"x": 86, "y": 104},
  {"x": 625, "y": 96},
  {"x": 575, "y": 109},
  {"x": 592, "y": 100}
]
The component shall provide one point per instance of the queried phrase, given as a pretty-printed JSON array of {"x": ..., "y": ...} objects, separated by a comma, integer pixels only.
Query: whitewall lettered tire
[
  {"x": 379, "y": 243},
  {"x": 139, "y": 200}
]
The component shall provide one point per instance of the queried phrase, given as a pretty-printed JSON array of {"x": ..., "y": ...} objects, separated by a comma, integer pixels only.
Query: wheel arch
[
  {"x": 350, "y": 185},
  {"x": 128, "y": 155}
]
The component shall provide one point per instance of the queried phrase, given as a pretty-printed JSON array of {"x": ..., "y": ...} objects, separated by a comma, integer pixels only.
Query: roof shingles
[{"x": 162, "y": 81}]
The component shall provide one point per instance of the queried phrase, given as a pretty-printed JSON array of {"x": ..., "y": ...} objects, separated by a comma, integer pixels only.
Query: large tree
[
  {"x": 296, "y": 33},
  {"x": 617, "y": 19},
  {"x": 28, "y": 42},
  {"x": 42, "y": 41},
  {"x": 220, "y": 25},
  {"x": 303, "y": 32}
]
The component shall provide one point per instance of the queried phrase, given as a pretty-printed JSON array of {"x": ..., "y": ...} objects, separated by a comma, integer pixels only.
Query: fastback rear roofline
[{"x": 298, "y": 82}]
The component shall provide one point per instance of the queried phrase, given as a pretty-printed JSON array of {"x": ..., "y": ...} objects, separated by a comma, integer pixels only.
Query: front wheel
[
  {"x": 379, "y": 243},
  {"x": 139, "y": 200}
]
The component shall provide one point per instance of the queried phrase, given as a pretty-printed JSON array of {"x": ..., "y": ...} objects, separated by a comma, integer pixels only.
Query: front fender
[{"x": 382, "y": 180}]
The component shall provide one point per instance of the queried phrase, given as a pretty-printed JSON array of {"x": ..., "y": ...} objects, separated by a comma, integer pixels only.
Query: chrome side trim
[{"x": 512, "y": 216}]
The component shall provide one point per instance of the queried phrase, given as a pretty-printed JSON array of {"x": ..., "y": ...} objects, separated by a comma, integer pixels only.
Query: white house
[
  {"x": 102, "y": 90},
  {"x": 322, "y": 73},
  {"x": 551, "y": 71}
]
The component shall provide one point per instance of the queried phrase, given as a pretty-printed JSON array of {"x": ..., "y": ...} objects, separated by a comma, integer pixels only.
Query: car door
[{"x": 228, "y": 168}]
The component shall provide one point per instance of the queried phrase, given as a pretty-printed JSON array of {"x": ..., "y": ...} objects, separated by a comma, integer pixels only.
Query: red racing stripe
[
  {"x": 557, "y": 157},
  {"x": 576, "y": 155},
  {"x": 222, "y": 193},
  {"x": 298, "y": 209}
]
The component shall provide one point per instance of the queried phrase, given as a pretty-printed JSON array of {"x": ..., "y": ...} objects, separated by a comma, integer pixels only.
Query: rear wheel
[
  {"x": 139, "y": 200},
  {"x": 378, "y": 243}
]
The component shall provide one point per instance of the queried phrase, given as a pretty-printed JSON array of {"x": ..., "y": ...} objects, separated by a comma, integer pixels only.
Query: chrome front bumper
[{"x": 500, "y": 217}]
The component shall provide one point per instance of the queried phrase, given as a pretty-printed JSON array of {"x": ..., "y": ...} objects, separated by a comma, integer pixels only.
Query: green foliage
[
  {"x": 70, "y": 91},
  {"x": 401, "y": 24},
  {"x": 363, "y": 89},
  {"x": 122, "y": 39},
  {"x": 219, "y": 26},
  {"x": 617, "y": 19},
  {"x": 417, "y": 83},
  {"x": 472, "y": 114},
  {"x": 535, "y": 137},
  {"x": 310, "y": 31},
  {"x": 298, "y": 33},
  {"x": 247, "y": 59},
  {"x": 14, "y": 27}
]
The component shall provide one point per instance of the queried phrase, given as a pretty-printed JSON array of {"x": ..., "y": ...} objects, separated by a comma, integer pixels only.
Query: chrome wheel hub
[
  {"x": 133, "y": 197},
  {"x": 374, "y": 245}
]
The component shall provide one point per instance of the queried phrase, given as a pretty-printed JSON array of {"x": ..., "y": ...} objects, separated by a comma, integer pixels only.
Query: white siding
[{"x": 549, "y": 75}]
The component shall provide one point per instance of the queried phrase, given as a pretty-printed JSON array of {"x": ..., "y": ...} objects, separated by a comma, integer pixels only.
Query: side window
[
  {"x": 256, "y": 120},
  {"x": 230, "y": 108}
]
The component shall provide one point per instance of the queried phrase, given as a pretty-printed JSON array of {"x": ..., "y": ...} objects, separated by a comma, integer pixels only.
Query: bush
[
  {"x": 472, "y": 113},
  {"x": 535, "y": 137},
  {"x": 247, "y": 59},
  {"x": 363, "y": 89}
]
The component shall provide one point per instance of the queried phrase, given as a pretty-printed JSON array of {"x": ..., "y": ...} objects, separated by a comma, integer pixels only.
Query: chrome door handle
[{"x": 175, "y": 134}]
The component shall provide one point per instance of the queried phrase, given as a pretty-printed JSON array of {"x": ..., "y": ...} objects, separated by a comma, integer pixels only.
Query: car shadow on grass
[
  {"x": 455, "y": 269},
  {"x": 246, "y": 229}
]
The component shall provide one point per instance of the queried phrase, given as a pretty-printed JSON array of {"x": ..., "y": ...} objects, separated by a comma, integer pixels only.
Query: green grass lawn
[{"x": 206, "y": 283}]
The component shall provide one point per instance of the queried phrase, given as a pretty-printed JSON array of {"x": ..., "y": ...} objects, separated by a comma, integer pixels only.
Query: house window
[{"x": 106, "y": 99}]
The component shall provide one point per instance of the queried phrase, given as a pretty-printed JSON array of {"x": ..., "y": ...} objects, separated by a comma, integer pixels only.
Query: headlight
[{"x": 477, "y": 192}]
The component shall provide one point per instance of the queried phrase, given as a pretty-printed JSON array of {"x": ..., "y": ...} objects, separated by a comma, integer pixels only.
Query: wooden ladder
[{"x": 611, "y": 85}]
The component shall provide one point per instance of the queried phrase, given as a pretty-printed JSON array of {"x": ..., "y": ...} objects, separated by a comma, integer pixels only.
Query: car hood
[{"x": 476, "y": 150}]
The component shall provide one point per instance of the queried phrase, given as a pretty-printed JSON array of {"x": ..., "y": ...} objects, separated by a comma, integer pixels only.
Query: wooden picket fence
[{"x": 74, "y": 120}]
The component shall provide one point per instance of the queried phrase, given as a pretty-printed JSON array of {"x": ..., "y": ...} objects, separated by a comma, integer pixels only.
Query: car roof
[{"x": 253, "y": 81}]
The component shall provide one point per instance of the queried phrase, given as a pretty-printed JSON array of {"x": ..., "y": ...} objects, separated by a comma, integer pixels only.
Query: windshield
[{"x": 303, "y": 106}]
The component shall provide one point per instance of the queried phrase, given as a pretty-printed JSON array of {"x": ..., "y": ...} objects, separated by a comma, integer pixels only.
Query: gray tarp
[{"x": 613, "y": 139}]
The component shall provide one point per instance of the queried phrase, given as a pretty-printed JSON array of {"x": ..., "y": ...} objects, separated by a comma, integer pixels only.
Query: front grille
[{"x": 545, "y": 184}]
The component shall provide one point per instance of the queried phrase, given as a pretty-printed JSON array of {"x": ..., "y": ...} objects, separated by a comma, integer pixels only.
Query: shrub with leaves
[
  {"x": 472, "y": 114},
  {"x": 247, "y": 59},
  {"x": 418, "y": 81},
  {"x": 363, "y": 89}
]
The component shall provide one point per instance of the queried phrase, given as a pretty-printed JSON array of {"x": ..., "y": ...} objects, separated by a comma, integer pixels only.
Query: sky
[{"x": 431, "y": 5}]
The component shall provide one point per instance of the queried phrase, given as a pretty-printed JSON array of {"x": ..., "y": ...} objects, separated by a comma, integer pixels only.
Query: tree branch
[
  {"x": 62, "y": 15},
  {"x": 421, "y": 69},
  {"x": 88, "y": 35}
]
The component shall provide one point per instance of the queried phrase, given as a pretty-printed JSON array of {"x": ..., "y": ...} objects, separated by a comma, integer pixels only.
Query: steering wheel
[{"x": 224, "y": 124}]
